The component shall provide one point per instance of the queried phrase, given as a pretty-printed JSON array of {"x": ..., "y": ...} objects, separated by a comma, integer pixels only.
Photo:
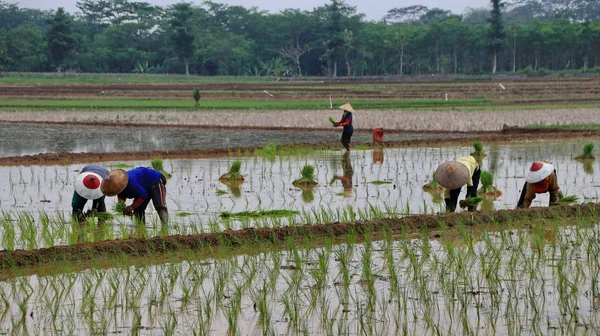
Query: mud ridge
[
  {"x": 504, "y": 136},
  {"x": 236, "y": 238}
]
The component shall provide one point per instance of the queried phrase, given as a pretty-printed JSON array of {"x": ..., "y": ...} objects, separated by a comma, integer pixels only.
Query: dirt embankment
[
  {"x": 158, "y": 245},
  {"x": 507, "y": 135}
]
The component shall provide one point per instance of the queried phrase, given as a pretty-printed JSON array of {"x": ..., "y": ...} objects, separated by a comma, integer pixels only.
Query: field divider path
[
  {"x": 506, "y": 135},
  {"x": 136, "y": 247}
]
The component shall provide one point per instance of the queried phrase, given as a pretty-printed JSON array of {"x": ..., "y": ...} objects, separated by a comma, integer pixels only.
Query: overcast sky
[{"x": 373, "y": 9}]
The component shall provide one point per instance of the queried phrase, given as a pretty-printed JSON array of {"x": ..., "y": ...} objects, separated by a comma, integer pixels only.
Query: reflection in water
[
  {"x": 378, "y": 155},
  {"x": 27, "y": 139},
  {"x": 308, "y": 195},
  {"x": 234, "y": 187},
  {"x": 346, "y": 179}
]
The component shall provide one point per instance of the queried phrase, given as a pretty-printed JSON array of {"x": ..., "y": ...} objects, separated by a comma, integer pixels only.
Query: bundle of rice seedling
[
  {"x": 478, "y": 148},
  {"x": 307, "y": 179},
  {"x": 471, "y": 202},
  {"x": 331, "y": 120},
  {"x": 588, "y": 152},
  {"x": 234, "y": 173},
  {"x": 567, "y": 199},
  {"x": 488, "y": 189},
  {"x": 119, "y": 207},
  {"x": 157, "y": 164},
  {"x": 432, "y": 185}
]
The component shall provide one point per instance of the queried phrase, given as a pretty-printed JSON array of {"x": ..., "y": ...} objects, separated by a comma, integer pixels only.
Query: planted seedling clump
[
  {"x": 233, "y": 175},
  {"x": 488, "y": 189},
  {"x": 588, "y": 153},
  {"x": 308, "y": 178}
]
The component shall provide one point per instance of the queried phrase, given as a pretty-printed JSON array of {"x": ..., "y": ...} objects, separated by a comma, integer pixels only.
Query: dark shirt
[
  {"x": 95, "y": 169},
  {"x": 347, "y": 121}
]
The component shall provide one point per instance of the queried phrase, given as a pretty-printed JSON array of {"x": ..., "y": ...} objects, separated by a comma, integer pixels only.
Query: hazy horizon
[{"x": 373, "y": 10}]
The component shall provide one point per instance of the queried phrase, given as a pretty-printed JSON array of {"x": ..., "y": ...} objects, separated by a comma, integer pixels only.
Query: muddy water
[
  {"x": 27, "y": 139},
  {"x": 388, "y": 182},
  {"x": 507, "y": 283}
]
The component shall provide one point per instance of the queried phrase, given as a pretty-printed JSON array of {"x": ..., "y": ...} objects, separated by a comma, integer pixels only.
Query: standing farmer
[
  {"x": 453, "y": 175},
  {"x": 142, "y": 184},
  {"x": 347, "y": 123},
  {"x": 87, "y": 187},
  {"x": 541, "y": 178}
]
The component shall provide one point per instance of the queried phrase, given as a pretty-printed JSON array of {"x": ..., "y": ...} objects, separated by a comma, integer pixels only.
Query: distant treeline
[{"x": 120, "y": 36}]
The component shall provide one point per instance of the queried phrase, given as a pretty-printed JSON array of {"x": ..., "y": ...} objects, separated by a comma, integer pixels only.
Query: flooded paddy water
[
  {"x": 36, "y": 200},
  {"x": 28, "y": 139},
  {"x": 513, "y": 282}
]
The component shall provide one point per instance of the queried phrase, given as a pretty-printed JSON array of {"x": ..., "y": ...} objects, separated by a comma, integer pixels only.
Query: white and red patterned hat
[
  {"x": 87, "y": 185},
  {"x": 539, "y": 171}
]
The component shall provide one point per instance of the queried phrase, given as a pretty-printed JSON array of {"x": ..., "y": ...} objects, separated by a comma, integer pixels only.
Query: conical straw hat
[
  {"x": 87, "y": 185},
  {"x": 452, "y": 175},
  {"x": 114, "y": 183},
  {"x": 539, "y": 171},
  {"x": 346, "y": 107}
]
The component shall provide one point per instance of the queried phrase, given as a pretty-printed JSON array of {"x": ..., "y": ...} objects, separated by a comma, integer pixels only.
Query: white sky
[{"x": 374, "y": 9}]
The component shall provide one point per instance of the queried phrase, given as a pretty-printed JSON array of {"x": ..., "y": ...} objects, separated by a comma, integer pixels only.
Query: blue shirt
[{"x": 141, "y": 180}]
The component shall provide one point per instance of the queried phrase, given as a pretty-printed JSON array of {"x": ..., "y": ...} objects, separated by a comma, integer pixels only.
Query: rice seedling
[
  {"x": 569, "y": 199},
  {"x": 307, "y": 179},
  {"x": 432, "y": 185},
  {"x": 233, "y": 175},
  {"x": 487, "y": 189},
  {"x": 587, "y": 153}
]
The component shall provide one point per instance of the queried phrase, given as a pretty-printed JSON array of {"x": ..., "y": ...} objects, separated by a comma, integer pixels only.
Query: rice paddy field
[{"x": 368, "y": 250}]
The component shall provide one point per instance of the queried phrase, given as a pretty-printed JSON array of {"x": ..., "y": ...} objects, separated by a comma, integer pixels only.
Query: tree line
[{"x": 121, "y": 36}]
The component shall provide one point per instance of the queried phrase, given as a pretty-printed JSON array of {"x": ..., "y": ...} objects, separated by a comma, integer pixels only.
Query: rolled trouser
[
  {"x": 158, "y": 196},
  {"x": 345, "y": 140}
]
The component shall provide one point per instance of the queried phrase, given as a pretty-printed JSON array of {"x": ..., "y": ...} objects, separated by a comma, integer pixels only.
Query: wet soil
[
  {"x": 158, "y": 245},
  {"x": 508, "y": 134}
]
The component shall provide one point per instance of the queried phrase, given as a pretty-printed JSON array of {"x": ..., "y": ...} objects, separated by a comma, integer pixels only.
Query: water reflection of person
[{"x": 346, "y": 179}]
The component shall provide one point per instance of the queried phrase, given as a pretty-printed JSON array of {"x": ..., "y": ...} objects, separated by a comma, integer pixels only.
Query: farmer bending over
[
  {"x": 453, "y": 175},
  {"x": 142, "y": 184},
  {"x": 347, "y": 123},
  {"x": 541, "y": 178},
  {"x": 87, "y": 187}
]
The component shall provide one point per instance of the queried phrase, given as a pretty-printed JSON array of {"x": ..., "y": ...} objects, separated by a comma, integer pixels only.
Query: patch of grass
[
  {"x": 184, "y": 214},
  {"x": 361, "y": 147},
  {"x": 380, "y": 182},
  {"x": 221, "y": 192},
  {"x": 260, "y": 213},
  {"x": 121, "y": 165},
  {"x": 132, "y": 104}
]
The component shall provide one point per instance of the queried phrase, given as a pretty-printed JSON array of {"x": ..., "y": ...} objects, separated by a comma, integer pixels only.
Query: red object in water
[{"x": 377, "y": 134}]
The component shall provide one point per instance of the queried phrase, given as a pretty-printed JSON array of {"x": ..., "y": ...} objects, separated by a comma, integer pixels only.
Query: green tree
[
  {"x": 496, "y": 33},
  {"x": 3, "y": 50},
  {"x": 61, "y": 39},
  {"x": 180, "y": 21}
]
